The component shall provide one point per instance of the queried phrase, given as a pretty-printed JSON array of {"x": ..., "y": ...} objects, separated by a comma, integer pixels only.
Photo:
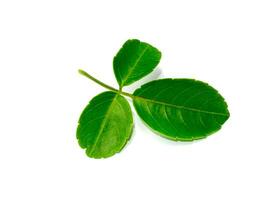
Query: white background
[{"x": 43, "y": 43}]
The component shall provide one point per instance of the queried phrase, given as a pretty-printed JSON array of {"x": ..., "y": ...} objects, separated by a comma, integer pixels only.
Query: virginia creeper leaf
[
  {"x": 181, "y": 109},
  {"x": 134, "y": 60},
  {"x": 105, "y": 125}
]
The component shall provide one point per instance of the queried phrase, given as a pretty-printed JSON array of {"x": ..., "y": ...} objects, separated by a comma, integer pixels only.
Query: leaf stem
[{"x": 84, "y": 73}]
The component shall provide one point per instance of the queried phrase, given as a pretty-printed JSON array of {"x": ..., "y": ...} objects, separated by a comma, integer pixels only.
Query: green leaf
[
  {"x": 134, "y": 60},
  {"x": 105, "y": 125},
  {"x": 181, "y": 109}
]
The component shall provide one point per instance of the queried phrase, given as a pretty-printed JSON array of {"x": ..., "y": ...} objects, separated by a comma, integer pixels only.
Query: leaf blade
[
  {"x": 134, "y": 60},
  {"x": 105, "y": 125},
  {"x": 181, "y": 109}
]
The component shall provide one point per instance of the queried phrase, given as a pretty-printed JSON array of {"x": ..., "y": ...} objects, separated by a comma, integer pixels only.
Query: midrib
[
  {"x": 178, "y": 107},
  {"x": 136, "y": 62},
  {"x": 102, "y": 126}
]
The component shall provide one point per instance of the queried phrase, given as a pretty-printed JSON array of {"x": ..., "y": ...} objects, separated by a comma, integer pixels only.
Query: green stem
[
  {"x": 143, "y": 98},
  {"x": 84, "y": 73}
]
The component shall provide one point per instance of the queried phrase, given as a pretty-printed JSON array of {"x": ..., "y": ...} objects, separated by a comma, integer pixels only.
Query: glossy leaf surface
[
  {"x": 105, "y": 125},
  {"x": 134, "y": 60},
  {"x": 181, "y": 109}
]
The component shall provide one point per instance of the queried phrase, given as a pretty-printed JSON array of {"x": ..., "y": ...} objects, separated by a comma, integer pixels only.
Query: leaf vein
[
  {"x": 134, "y": 65},
  {"x": 102, "y": 126}
]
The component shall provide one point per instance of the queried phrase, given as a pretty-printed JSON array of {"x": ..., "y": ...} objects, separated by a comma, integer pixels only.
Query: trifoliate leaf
[
  {"x": 177, "y": 109},
  {"x": 181, "y": 109},
  {"x": 105, "y": 125},
  {"x": 134, "y": 60}
]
